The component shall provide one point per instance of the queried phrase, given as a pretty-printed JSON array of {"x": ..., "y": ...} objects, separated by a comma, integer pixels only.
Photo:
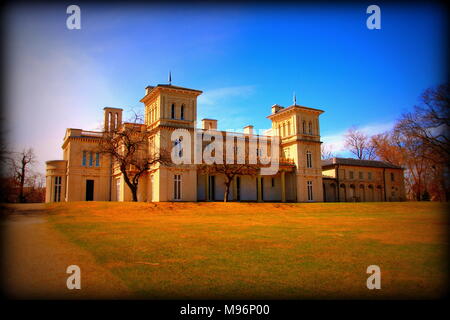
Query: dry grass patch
[{"x": 253, "y": 250}]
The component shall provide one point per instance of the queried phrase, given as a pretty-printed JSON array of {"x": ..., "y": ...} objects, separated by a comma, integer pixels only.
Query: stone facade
[{"x": 85, "y": 174}]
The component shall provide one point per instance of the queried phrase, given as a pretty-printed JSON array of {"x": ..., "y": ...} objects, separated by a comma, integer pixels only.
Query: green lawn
[{"x": 249, "y": 250}]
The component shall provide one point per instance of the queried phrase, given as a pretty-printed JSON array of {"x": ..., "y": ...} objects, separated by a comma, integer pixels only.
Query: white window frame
[
  {"x": 309, "y": 187},
  {"x": 177, "y": 187},
  {"x": 57, "y": 189}
]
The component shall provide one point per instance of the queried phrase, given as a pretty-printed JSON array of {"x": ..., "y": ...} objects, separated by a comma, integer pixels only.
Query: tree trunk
[
  {"x": 134, "y": 193},
  {"x": 227, "y": 191},
  {"x": 22, "y": 183},
  {"x": 132, "y": 187}
]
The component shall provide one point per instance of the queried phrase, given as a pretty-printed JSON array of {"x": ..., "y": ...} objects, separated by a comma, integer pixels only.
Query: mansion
[{"x": 86, "y": 174}]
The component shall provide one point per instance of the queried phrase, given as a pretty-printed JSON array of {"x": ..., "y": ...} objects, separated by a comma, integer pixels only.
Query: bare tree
[
  {"x": 399, "y": 148},
  {"x": 326, "y": 151},
  {"x": 229, "y": 171},
  {"x": 430, "y": 122},
  {"x": 387, "y": 148},
  {"x": 21, "y": 162},
  {"x": 132, "y": 152},
  {"x": 358, "y": 143}
]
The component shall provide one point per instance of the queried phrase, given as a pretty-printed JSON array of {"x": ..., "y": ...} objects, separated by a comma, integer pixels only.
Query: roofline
[
  {"x": 169, "y": 87},
  {"x": 383, "y": 164},
  {"x": 293, "y": 107}
]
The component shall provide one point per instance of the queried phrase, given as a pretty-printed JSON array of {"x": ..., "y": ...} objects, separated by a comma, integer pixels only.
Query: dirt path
[{"x": 35, "y": 258}]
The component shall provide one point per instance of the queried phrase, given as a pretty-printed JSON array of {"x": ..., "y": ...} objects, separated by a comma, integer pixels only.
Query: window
[
  {"x": 84, "y": 159},
  {"x": 109, "y": 121},
  {"x": 118, "y": 189},
  {"x": 273, "y": 182},
  {"x": 361, "y": 175},
  {"x": 392, "y": 176},
  {"x": 116, "y": 121},
  {"x": 97, "y": 159},
  {"x": 172, "y": 112},
  {"x": 288, "y": 128},
  {"x": 350, "y": 175},
  {"x": 308, "y": 159},
  {"x": 177, "y": 187},
  {"x": 182, "y": 112},
  {"x": 57, "y": 190},
  {"x": 369, "y": 175},
  {"x": 310, "y": 190},
  {"x": 304, "y": 126},
  {"x": 310, "y": 127},
  {"x": 91, "y": 159}
]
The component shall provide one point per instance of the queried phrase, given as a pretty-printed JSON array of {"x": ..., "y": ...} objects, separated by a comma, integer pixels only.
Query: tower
[
  {"x": 299, "y": 132},
  {"x": 112, "y": 119},
  {"x": 167, "y": 108},
  {"x": 168, "y": 105}
]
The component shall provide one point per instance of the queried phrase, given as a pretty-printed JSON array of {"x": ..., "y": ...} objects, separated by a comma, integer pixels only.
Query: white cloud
[{"x": 336, "y": 140}]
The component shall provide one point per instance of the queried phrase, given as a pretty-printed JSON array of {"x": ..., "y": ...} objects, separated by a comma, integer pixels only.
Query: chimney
[
  {"x": 209, "y": 124},
  {"x": 276, "y": 108},
  {"x": 248, "y": 129}
]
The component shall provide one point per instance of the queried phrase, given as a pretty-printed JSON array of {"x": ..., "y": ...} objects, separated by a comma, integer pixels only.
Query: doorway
[{"x": 89, "y": 190}]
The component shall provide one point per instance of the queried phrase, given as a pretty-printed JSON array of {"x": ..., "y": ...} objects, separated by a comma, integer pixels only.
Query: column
[
  {"x": 258, "y": 179},
  {"x": 283, "y": 187}
]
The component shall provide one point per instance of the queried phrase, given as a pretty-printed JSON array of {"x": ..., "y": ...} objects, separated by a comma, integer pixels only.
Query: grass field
[{"x": 250, "y": 250}]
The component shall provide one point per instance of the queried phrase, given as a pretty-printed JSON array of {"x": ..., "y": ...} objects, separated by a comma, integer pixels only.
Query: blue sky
[{"x": 245, "y": 58}]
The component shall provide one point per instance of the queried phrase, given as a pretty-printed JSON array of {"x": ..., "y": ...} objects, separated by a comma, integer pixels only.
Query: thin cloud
[
  {"x": 336, "y": 140},
  {"x": 216, "y": 96}
]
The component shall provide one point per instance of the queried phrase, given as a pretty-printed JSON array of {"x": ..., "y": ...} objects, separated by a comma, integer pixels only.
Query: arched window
[
  {"x": 109, "y": 121},
  {"x": 182, "y": 112},
  {"x": 310, "y": 127},
  {"x": 116, "y": 121},
  {"x": 288, "y": 128},
  {"x": 172, "y": 112},
  {"x": 304, "y": 126}
]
